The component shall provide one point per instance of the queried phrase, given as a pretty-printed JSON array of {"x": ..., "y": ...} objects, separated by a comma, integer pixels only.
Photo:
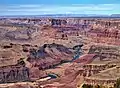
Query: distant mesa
[{"x": 115, "y": 15}]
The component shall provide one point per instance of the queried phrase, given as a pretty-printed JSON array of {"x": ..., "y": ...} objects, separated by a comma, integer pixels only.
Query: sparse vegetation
[
  {"x": 117, "y": 85},
  {"x": 21, "y": 61}
]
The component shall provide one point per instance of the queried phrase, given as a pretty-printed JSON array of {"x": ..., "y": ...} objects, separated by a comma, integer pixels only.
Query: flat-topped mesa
[
  {"x": 105, "y": 78},
  {"x": 92, "y": 69},
  {"x": 105, "y": 52}
]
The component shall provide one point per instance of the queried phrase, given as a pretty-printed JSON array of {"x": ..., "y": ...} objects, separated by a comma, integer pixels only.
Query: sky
[{"x": 41, "y": 7}]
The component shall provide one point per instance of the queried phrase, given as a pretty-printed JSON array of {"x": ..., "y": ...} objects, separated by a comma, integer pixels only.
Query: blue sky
[
  {"x": 40, "y": 7},
  {"x": 59, "y": 1}
]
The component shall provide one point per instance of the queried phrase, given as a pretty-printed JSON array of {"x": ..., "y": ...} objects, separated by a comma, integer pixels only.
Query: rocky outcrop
[
  {"x": 49, "y": 55},
  {"x": 105, "y": 52},
  {"x": 58, "y": 22}
]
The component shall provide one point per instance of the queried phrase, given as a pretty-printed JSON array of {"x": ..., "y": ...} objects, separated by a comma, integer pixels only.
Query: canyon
[{"x": 59, "y": 52}]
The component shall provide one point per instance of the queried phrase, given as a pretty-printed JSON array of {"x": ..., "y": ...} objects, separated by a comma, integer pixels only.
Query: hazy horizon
[{"x": 41, "y": 7}]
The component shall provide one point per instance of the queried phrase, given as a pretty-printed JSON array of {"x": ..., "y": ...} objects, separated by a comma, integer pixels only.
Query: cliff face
[
  {"x": 105, "y": 52},
  {"x": 14, "y": 74}
]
